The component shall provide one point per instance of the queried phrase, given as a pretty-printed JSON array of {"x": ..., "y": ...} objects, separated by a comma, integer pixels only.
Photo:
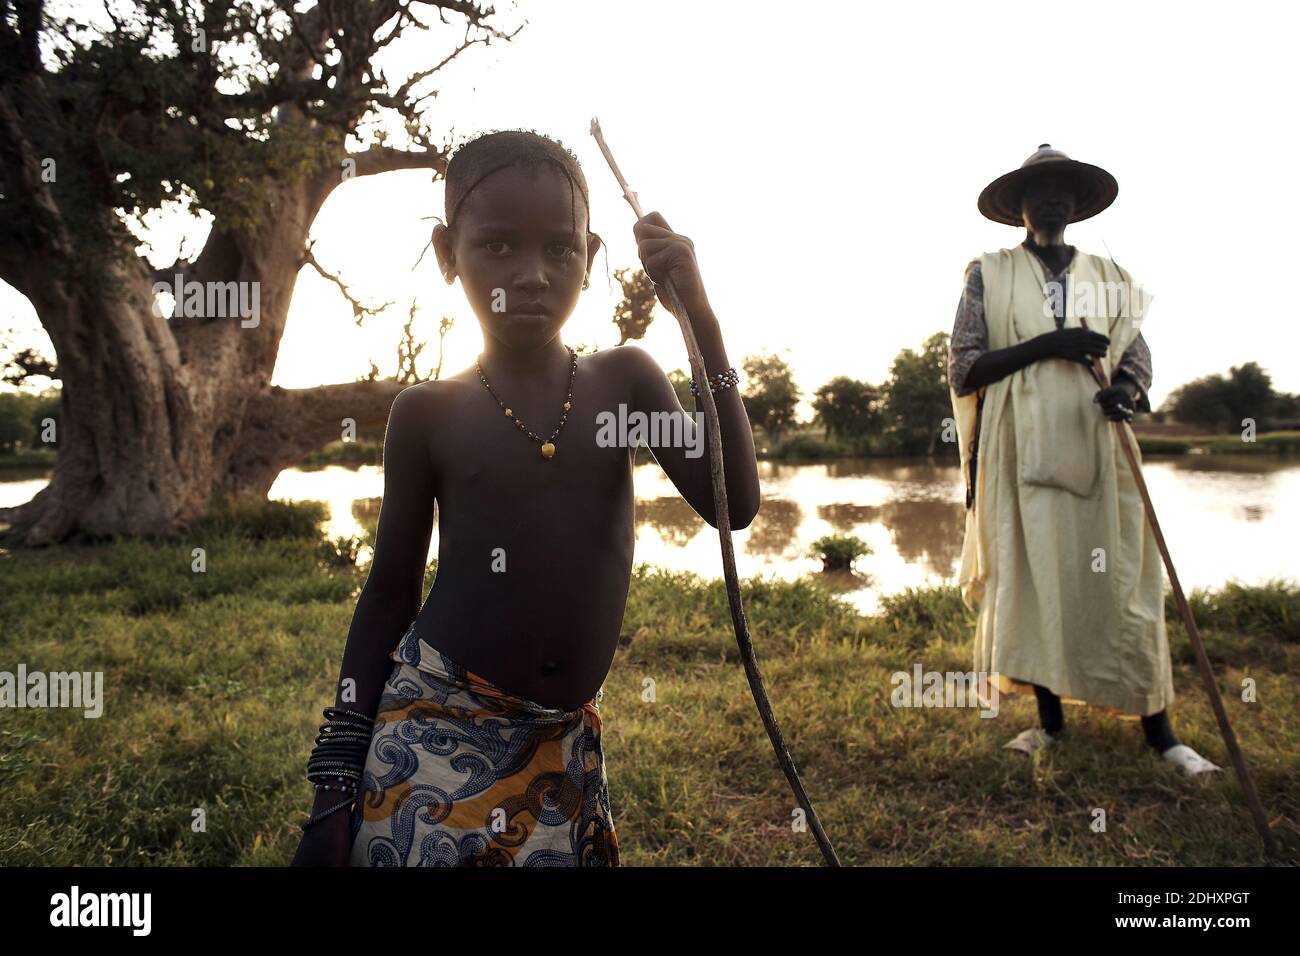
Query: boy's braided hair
[{"x": 478, "y": 158}]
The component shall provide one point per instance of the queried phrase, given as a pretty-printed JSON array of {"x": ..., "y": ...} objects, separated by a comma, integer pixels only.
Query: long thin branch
[
  {"x": 404, "y": 90},
  {"x": 1124, "y": 434},
  {"x": 714, "y": 435},
  {"x": 359, "y": 309}
]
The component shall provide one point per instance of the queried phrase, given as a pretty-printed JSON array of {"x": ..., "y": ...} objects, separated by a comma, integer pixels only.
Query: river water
[{"x": 1225, "y": 517}]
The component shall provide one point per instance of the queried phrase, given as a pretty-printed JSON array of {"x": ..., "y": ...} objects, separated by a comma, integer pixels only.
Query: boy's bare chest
[{"x": 482, "y": 454}]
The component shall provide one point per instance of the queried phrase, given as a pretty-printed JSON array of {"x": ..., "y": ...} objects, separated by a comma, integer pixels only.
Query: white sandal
[
  {"x": 1029, "y": 741},
  {"x": 1192, "y": 763}
]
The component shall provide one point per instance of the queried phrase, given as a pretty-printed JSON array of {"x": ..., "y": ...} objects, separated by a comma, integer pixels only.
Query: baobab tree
[{"x": 254, "y": 112}]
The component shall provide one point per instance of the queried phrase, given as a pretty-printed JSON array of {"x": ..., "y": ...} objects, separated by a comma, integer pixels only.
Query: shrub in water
[{"x": 838, "y": 551}]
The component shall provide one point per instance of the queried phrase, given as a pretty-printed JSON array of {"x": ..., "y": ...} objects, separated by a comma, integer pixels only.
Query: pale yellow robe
[{"x": 1054, "y": 486}]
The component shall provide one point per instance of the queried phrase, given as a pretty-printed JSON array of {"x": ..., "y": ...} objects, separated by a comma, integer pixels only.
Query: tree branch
[
  {"x": 17, "y": 151},
  {"x": 282, "y": 426},
  {"x": 359, "y": 311},
  {"x": 28, "y": 364},
  {"x": 385, "y": 159}
]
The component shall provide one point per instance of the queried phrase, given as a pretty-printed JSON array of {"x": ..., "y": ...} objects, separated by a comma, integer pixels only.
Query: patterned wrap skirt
[{"x": 463, "y": 773}]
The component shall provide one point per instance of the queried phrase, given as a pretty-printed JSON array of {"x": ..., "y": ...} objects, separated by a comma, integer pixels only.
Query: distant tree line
[
  {"x": 1223, "y": 402},
  {"x": 906, "y": 414},
  {"x": 22, "y": 418}
]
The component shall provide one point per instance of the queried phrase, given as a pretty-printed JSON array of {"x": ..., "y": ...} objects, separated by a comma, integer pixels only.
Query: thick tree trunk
[{"x": 161, "y": 414}]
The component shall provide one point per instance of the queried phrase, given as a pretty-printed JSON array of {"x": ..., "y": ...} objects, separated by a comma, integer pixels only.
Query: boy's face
[{"x": 520, "y": 255}]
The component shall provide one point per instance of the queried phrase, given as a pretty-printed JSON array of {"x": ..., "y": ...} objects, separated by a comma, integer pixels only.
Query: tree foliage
[
  {"x": 248, "y": 114},
  {"x": 22, "y": 418},
  {"x": 635, "y": 311},
  {"x": 917, "y": 399},
  {"x": 848, "y": 409},
  {"x": 209, "y": 105},
  {"x": 681, "y": 383},
  {"x": 1222, "y": 402},
  {"x": 771, "y": 395}
]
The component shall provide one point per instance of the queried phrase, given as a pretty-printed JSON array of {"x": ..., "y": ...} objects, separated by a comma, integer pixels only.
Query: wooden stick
[
  {"x": 741, "y": 628},
  {"x": 1128, "y": 443}
]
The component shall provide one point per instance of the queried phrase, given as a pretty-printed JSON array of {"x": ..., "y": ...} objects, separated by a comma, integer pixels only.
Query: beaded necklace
[{"x": 548, "y": 446}]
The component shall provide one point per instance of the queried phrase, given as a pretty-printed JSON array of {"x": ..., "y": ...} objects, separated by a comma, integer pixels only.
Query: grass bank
[
  {"x": 809, "y": 443},
  {"x": 18, "y": 464},
  {"x": 1265, "y": 443},
  {"x": 214, "y": 683},
  {"x": 802, "y": 444}
]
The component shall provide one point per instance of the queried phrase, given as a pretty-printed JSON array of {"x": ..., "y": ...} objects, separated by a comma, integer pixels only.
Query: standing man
[{"x": 1058, "y": 556}]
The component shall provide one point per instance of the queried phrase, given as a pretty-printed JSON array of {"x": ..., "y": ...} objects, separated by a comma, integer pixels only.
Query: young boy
[{"x": 486, "y": 739}]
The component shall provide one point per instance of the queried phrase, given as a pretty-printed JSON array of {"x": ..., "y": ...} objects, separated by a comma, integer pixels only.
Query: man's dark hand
[
  {"x": 1074, "y": 345},
  {"x": 1118, "y": 401}
]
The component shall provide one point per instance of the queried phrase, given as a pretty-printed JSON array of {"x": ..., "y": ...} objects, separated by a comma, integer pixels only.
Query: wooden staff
[
  {"x": 723, "y": 518},
  {"x": 1128, "y": 443}
]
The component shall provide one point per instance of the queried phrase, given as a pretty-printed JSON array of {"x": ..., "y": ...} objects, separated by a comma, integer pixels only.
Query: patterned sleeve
[
  {"x": 969, "y": 331},
  {"x": 1136, "y": 364}
]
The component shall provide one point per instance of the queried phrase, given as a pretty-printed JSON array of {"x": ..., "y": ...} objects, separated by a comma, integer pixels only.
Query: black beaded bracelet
[
  {"x": 333, "y": 766},
  {"x": 328, "y": 740},
  {"x": 341, "y": 748},
  {"x": 315, "y": 766},
  {"x": 342, "y": 735},
  {"x": 343, "y": 711},
  {"x": 348, "y": 722},
  {"x": 350, "y": 750}
]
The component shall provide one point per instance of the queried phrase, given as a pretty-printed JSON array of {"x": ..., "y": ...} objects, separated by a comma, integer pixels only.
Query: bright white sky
[{"x": 827, "y": 169}]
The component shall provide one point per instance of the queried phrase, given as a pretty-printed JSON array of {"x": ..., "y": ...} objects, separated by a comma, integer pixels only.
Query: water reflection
[
  {"x": 366, "y": 510},
  {"x": 675, "y": 520},
  {"x": 775, "y": 529},
  {"x": 1226, "y": 517},
  {"x": 923, "y": 529}
]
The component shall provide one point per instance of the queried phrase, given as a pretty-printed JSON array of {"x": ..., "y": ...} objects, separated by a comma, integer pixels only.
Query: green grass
[
  {"x": 348, "y": 454},
  {"x": 807, "y": 443},
  {"x": 38, "y": 461},
  {"x": 803, "y": 443},
  {"x": 1265, "y": 443},
  {"x": 214, "y": 684}
]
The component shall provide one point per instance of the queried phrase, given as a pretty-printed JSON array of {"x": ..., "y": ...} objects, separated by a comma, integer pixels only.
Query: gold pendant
[{"x": 548, "y": 450}]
